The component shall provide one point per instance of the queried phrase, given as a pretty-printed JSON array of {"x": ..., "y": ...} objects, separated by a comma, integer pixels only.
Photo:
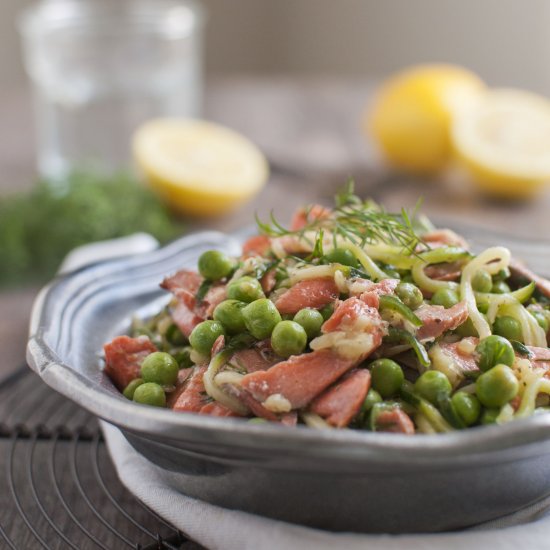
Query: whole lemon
[{"x": 411, "y": 116}]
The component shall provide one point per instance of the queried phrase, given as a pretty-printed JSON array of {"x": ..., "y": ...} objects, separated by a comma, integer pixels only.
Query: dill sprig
[{"x": 356, "y": 221}]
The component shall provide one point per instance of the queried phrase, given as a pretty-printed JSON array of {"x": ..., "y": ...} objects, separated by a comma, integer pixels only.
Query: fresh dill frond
[{"x": 353, "y": 220}]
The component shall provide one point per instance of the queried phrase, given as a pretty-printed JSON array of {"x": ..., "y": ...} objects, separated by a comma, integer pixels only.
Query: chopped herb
[{"x": 38, "y": 228}]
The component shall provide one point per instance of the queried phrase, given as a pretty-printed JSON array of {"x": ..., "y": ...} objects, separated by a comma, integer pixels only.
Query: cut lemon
[
  {"x": 411, "y": 116},
  {"x": 199, "y": 167},
  {"x": 503, "y": 140}
]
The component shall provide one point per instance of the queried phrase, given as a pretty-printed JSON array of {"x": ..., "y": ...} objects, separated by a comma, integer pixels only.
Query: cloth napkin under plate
[{"x": 219, "y": 528}]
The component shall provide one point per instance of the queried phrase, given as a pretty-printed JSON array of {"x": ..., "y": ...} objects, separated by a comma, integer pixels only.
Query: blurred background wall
[{"x": 506, "y": 41}]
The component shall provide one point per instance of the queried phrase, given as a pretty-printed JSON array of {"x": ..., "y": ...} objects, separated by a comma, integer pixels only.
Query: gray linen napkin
[{"x": 219, "y": 528}]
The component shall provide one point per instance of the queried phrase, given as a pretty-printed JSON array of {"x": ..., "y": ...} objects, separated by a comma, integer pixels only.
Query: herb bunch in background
[{"x": 38, "y": 228}]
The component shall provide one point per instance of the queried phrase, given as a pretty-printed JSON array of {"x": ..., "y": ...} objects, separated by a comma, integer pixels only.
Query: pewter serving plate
[{"x": 333, "y": 479}]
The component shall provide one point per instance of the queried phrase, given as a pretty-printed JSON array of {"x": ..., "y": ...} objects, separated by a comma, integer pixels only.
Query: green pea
[
  {"x": 410, "y": 295},
  {"x": 371, "y": 399},
  {"x": 183, "y": 357},
  {"x": 204, "y": 335},
  {"x": 541, "y": 320},
  {"x": 467, "y": 407},
  {"x": 229, "y": 314},
  {"x": 497, "y": 386},
  {"x": 489, "y": 416},
  {"x": 509, "y": 327},
  {"x": 387, "y": 377},
  {"x": 131, "y": 388},
  {"x": 311, "y": 320},
  {"x": 215, "y": 265},
  {"x": 341, "y": 256},
  {"x": 150, "y": 393},
  {"x": 407, "y": 278},
  {"x": 502, "y": 274},
  {"x": 160, "y": 367},
  {"x": 261, "y": 317},
  {"x": 245, "y": 289},
  {"x": 432, "y": 383},
  {"x": 445, "y": 297},
  {"x": 391, "y": 273},
  {"x": 288, "y": 338},
  {"x": 175, "y": 336},
  {"x": 327, "y": 311},
  {"x": 500, "y": 287},
  {"x": 495, "y": 350},
  {"x": 482, "y": 281}
]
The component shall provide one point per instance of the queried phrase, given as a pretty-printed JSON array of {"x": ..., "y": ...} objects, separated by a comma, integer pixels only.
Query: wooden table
[{"x": 310, "y": 130}]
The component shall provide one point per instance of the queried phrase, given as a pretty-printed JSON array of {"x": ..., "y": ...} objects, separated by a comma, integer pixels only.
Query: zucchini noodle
[
  {"x": 366, "y": 261},
  {"x": 313, "y": 420},
  {"x": 533, "y": 334},
  {"x": 313, "y": 272},
  {"x": 506, "y": 414},
  {"x": 423, "y": 425},
  {"x": 434, "y": 417},
  {"x": 438, "y": 255},
  {"x": 492, "y": 260},
  {"x": 212, "y": 388},
  {"x": 531, "y": 383}
]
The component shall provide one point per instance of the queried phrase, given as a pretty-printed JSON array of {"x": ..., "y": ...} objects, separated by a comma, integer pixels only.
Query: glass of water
[{"x": 100, "y": 68}]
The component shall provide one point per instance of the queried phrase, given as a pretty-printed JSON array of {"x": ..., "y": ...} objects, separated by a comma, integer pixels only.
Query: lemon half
[
  {"x": 503, "y": 140},
  {"x": 411, "y": 115},
  {"x": 199, "y": 167}
]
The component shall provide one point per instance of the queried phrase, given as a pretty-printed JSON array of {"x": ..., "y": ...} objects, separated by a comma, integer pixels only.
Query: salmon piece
[
  {"x": 193, "y": 397},
  {"x": 444, "y": 237},
  {"x": 291, "y": 244},
  {"x": 254, "y": 405},
  {"x": 341, "y": 402},
  {"x": 437, "y": 320},
  {"x": 219, "y": 344},
  {"x": 348, "y": 313},
  {"x": 184, "y": 285},
  {"x": 173, "y": 396},
  {"x": 519, "y": 270},
  {"x": 369, "y": 291},
  {"x": 123, "y": 358},
  {"x": 268, "y": 281},
  {"x": 541, "y": 357},
  {"x": 516, "y": 402},
  {"x": 304, "y": 216},
  {"x": 217, "y": 409},
  {"x": 394, "y": 421},
  {"x": 361, "y": 286},
  {"x": 289, "y": 419},
  {"x": 465, "y": 361},
  {"x": 314, "y": 293},
  {"x": 215, "y": 296},
  {"x": 444, "y": 272},
  {"x": 185, "y": 318},
  {"x": 298, "y": 379},
  {"x": 259, "y": 245},
  {"x": 255, "y": 359}
]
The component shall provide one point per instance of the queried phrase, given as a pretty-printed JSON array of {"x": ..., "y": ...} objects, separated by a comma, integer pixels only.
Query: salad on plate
[{"x": 352, "y": 317}]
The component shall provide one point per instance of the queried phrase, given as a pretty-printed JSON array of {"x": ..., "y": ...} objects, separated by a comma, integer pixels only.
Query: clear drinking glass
[{"x": 99, "y": 68}]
